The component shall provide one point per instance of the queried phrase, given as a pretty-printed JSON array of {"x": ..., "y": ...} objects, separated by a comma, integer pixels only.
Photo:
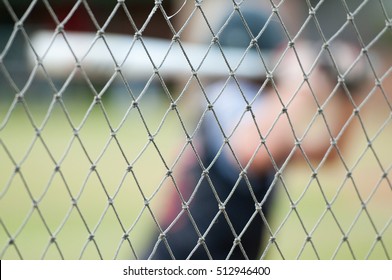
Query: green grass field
[{"x": 57, "y": 164}]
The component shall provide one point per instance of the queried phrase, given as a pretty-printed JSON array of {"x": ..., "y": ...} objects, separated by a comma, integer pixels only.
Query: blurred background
[{"x": 86, "y": 153}]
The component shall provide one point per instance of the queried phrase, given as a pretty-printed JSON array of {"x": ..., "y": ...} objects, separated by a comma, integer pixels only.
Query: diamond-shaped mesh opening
[{"x": 195, "y": 130}]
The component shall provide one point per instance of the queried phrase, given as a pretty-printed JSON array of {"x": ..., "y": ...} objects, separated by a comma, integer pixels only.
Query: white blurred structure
[{"x": 138, "y": 58}]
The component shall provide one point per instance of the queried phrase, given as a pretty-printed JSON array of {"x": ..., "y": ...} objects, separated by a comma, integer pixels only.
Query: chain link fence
[{"x": 103, "y": 103}]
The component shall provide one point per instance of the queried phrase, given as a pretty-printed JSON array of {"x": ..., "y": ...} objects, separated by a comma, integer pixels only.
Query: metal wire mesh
[{"x": 90, "y": 152}]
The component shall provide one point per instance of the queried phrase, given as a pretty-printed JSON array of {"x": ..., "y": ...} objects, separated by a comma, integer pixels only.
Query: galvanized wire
[{"x": 176, "y": 112}]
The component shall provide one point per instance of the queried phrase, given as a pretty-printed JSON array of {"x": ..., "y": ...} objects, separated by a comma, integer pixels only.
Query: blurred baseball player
[{"x": 247, "y": 132}]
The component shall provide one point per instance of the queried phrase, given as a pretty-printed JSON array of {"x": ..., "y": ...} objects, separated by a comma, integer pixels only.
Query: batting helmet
[{"x": 246, "y": 24}]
